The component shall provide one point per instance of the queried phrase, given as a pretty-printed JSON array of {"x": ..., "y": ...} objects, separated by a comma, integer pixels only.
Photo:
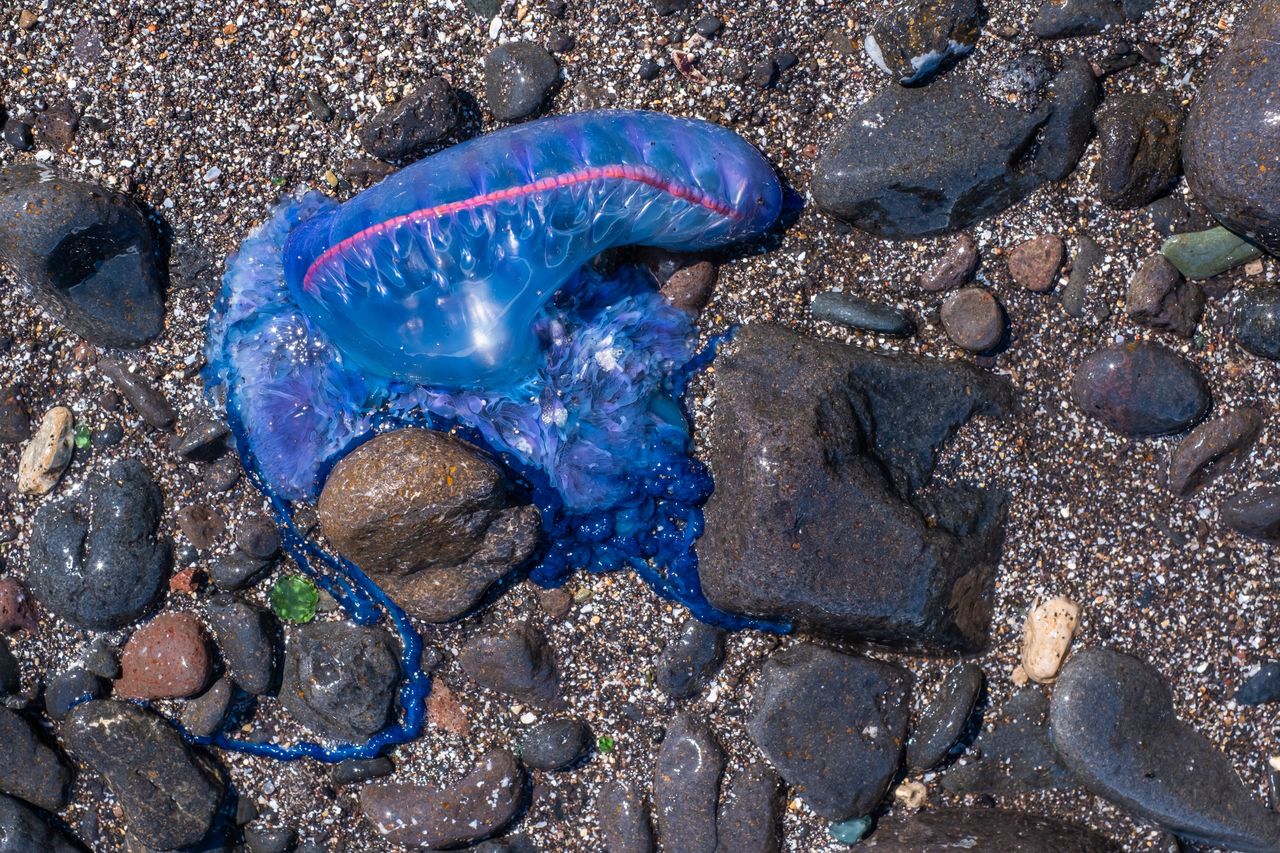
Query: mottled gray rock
[
  {"x": 686, "y": 786},
  {"x": 1212, "y": 449},
  {"x": 1161, "y": 298},
  {"x": 406, "y": 128},
  {"x": 1232, "y": 131},
  {"x": 1013, "y": 755},
  {"x": 31, "y": 770},
  {"x": 169, "y": 792},
  {"x": 1113, "y": 723},
  {"x": 750, "y": 819},
  {"x": 857, "y": 313},
  {"x": 1138, "y": 146},
  {"x": 1089, "y": 255},
  {"x": 1140, "y": 389},
  {"x": 1261, "y": 687},
  {"x": 96, "y": 559},
  {"x": 518, "y": 76},
  {"x": 915, "y": 38},
  {"x": 204, "y": 715},
  {"x": 833, "y": 725},
  {"x": 469, "y": 810},
  {"x": 979, "y": 830},
  {"x": 246, "y": 636},
  {"x": 340, "y": 678},
  {"x": 25, "y": 830},
  {"x": 86, "y": 253},
  {"x": 944, "y": 718},
  {"x": 849, "y": 434},
  {"x": 912, "y": 162},
  {"x": 518, "y": 662},
  {"x": 355, "y": 770},
  {"x": 690, "y": 660},
  {"x": 623, "y": 818}
]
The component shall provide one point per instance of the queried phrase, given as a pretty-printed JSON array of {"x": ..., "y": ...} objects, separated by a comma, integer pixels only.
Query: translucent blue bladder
[{"x": 457, "y": 294}]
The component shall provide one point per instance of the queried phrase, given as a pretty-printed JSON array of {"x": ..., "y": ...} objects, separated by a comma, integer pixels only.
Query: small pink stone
[
  {"x": 168, "y": 658},
  {"x": 17, "y": 609}
]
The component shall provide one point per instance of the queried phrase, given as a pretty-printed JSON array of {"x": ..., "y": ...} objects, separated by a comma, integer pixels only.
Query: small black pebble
[
  {"x": 108, "y": 435},
  {"x": 559, "y": 42},
  {"x": 649, "y": 69},
  {"x": 786, "y": 61},
  {"x": 355, "y": 770},
  {"x": 259, "y": 538},
  {"x": 18, "y": 134},
  {"x": 708, "y": 26},
  {"x": 557, "y": 8}
]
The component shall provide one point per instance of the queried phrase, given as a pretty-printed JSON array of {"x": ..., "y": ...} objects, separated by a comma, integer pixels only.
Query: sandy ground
[{"x": 208, "y": 124}]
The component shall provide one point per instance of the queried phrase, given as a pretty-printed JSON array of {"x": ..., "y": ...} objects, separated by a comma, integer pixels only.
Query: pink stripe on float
[{"x": 646, "y": 175}]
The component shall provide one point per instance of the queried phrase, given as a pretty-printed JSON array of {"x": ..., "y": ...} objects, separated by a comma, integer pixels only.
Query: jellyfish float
[{"x": 459, "y": 294}]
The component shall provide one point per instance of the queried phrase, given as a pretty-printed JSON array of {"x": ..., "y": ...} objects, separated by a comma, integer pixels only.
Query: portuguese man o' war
[{"x": 458, "y": 294}]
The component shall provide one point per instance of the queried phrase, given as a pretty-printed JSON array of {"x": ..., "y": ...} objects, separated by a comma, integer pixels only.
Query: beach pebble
[
  {"x": 31, "y": 770},
  {"x": 1138, "y": 147},
  {"x": 475, "y": 806},
  {"x": 405, "y": 129},
  {"x": 246, "y": 637},
  {"x": 1012, "y": 754},
  {"x": 555, "y": 744},
  {"x": 18, "y": 134},
  {"x": 1254, "y": 512},
  {"x": 750, "y": 818},
  {"x": 1089, "y": 256},
  {"x": 1161, "y": 298},
  {"x": 689, "y": 287},
  {"x": 1257, "y": 322},
  {"x": 686, "y": 786},
  {"x": 48, "y": 453},
  {"x": 56, "y": 127},
  {"x": 1204, "y": 254},
  {"x": 985, "y": 830},
  {"x": 96, "y": 559},
  {"x": 170, "y": 794},
  {"x": 258, "y": 537},
  {"x": 1140, "y": 389},
  {"x": 1212, "y": 449},
  {"x": 201, "y": 524},
  {"x": 24, "y": 828},
  {"x": 237, "y": 570},
  {"x": 1047, "y": 634},
  {"x": 10, "y": 673},
  {"x": 857, "y": 313},
  {"x": 516, "y": 661},
  {"x": 1261, "y": 687},
  {"x": 1113, "y": 723},
  {"x": 690, "y": 660},
  {"x": 142, "y": 394},
  {"x": 68, "y": 689},
  {"x": 944, "y": 718},
  {"x": 204, "y": 715},
  {"x": 1034, "y": 263},
  {"x": 101, "y": 659},
  {"x": 15, "y": 423},
  {"x": 1058, "y": 19},
  {"x": 356, "y": 770},
  {"x": 86, "y": 253},
  {"x": 833, "y": 725},
  {"x": 203, "y": 440},
  {"x": 17, "y": 610},
  {"x": 518, "y": 76},
  {"x": 623, "y": 818},
  {"x": 340, "y": 679},
  {"x": 954, "y": 268},
  {"x": 269, "y": 839},
  {"x": 167, "y": 658},
  {"x": 973, "y": 319},
  {"x": 915, "y": 38}
]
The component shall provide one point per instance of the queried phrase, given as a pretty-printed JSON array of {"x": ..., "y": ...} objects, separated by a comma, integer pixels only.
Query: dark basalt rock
[
  {"x": 1257, "y": 319},
  {"x": 1113, "y": 723},
  {"x": 1073, "y": 18},
  {"x": 915, "y": 38},
  {"x": 833, "y": 725},
  {"x": 686, "y": 786},
  {"x": 1230, "y": 144},
  {"x": 848, "y": 434},
  {"x": 96, "y": 560},
  {"x": 170, "y": 793},
  {"x": 1262, "y": 687},
  {"x": 750, "y": 819},
  {"x": 555, "y": 744},
  {"x": 978, "y": 830},
  {"x": 1014, "y": 755},
  {"x": 944, "y": 719},
  {"x": 690, "y": 660},
  {"x": 857, "y": 313},
  {"x": 518, "y": 76},
  {"x": 1212, "y": 449},
  {"x": 519, "y": 663},
  {"x": 1140, "y": 389},
  {"x": 246, "y": 636},
  {"x": 1255, "y": 513},
  {"x": 31, "y": 770},
  {"x": 86, "y": 253},
  {"x": 406, "y": 128},
  {"x": 340, "y": 679},
  {"x": 1138, "y": 147},
  {"x": 912, "y": 162},
  {"x": 623, "y": 818},
  {"x": 1161, "y": 298},
  {"x": 24, "y": 830}
]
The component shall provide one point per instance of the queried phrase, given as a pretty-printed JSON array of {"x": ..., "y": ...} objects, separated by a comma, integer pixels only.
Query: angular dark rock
[
  {"x": 1113, "y": 723},
  {"x": 849, "y": 434},
  {"x": 406, "y": 128},
  {"x": 1073, "y": 18},
  {"x": 915, "y": 38},
  {"x": 518, "y": 662},
  {"x": 340, "y": 678},
  {"x": 944, "y": 718},
  {"x": 1255, "y": 513},
  {"x": 67, "y": 689},
  {"x": 1231, "y": 132},
  {"x": 750, "y": 819},
  {"x": 31, "y": 770},
  {"x": 912, "y": 162},
  {"x": 1138, "y": 147},
  {"x": 24, "y": 830},
  {"x": 690, "y": 660},
  {"x": 86, "y": 253},
  {"x": 1013, "y": 755},
  {"x": 1161, "y": 298},
  {"x": 686, "y": 786},
  {"x": 170, "y": 793},
  {"x": 1257, "y": 319},
  {"x": 555, "y": 744},
  {"x": 96, "y": 560},
  {"x": 246, "y": 636},
  {"x": 834, "y": 726},
  {"x": 984, "y": 831},
  {"x": 236, "y": 570},
  {"x": 1140, "y": 389},
  {"x": 204, "y": 715},
  {"x": 1212, "y": 449},
  {"x": 471, "y": 809},
  {"x": 429, "y": 517}
]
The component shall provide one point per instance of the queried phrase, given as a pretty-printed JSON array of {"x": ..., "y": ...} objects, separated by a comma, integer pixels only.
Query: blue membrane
[{"x": 585, "y": 408}]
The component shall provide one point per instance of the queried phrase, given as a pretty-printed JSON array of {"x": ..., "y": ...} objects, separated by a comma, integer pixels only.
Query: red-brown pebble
[
  {"x": 689, "y": 288},
  {"x": 168, "y": 658},
  {"x": 17, "y": 609},
  {"x": 1034, "y": 263},
  {"x": 954, "y": 268},
  {"x": 973, "y": 319}
]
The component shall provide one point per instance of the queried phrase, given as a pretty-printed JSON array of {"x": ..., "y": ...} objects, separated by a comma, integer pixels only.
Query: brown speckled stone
[
  {"x": 1034, "y": 263},
  {"x": 1140, "y": 389},
  {"x": 973, "y": 319},
  {"x": 1212, "y": 449},
  {"x": 168, "y": 658}
]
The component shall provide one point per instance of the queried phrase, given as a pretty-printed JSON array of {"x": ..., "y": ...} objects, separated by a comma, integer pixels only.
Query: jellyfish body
[{"x": 458, "y": 294}]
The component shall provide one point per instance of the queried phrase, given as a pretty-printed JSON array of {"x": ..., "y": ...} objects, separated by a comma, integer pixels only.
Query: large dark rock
[
  {"x": 24, "y": 830},
  {"x": 820, "y": 451},
  {"x": 474, "y": 807},
  {"x": 96, "y": 560},
  {"x": 1140, "y": 389},
  {"x": 1138, "y": 147},
  {"x": 833, "y": 725},
  {"x": 978, "y": 830},
  {"x": 1073, "y": 18},
  {"x": 340, "y": 678},
  {"x": 518, "y": 77},
  {"x": 170, "y": 793},
  {"x": 429, "y": 517},
  {"x": 1113, "y": 723},
  {"x": 406, "y": 128},
  {"x": 1230, "y": 143},
  {"x": 30, "y": 769},
  {"x": 686, "y": 786},
  {"x": 918, "y": 161},
  {"x": 519, "y": 662},
  {"x": 690, "y": 660},
  {"x": 86, "y": 253},
  {"x": 246, "y": 636}
]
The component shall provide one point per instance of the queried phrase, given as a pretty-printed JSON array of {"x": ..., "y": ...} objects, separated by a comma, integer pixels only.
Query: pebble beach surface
[{"x": 205, "y": 114}]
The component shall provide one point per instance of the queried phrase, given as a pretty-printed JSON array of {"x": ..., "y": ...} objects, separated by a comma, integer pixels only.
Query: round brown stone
[
  {"x": 168, "y": 658},
  {"x": 1034, "y": 263},
  {"x": 973, "y": 319}
]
